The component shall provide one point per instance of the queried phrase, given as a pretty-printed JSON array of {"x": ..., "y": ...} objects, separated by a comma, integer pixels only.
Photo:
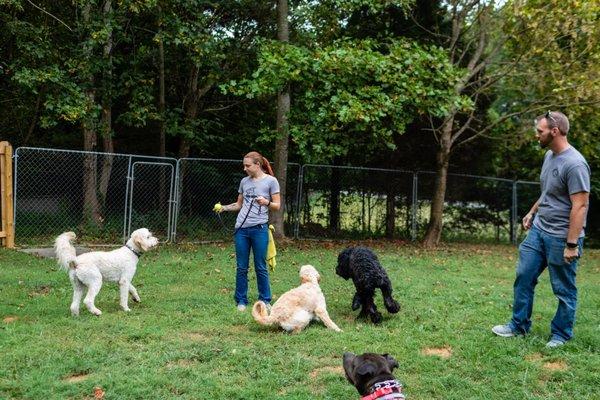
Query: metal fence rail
[{"x": 103, "y": 197}]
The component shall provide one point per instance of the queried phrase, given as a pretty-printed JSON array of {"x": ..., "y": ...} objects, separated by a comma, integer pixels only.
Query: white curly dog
[
  {"x": 294, "y": 310},
  {"x": 91, "y": 269}
]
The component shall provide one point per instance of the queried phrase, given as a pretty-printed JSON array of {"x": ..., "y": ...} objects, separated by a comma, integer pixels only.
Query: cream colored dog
[
  {"x": 297, "y": 307},
  {"x": 91, "y": 269}
]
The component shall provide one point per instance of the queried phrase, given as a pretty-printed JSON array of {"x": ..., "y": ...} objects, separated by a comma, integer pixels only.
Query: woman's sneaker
[
  {"x": 241, "y": 307},
  {"x": 504, "y": 331}
]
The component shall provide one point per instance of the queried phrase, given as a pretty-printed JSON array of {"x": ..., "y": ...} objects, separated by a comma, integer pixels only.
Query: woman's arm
[
  {"x": 234, "y": 206},
  {"x": 273, "y": 205}
]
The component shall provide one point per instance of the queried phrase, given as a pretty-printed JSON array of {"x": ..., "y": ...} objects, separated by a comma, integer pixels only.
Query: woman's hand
[{"x": 262, "y": 201}]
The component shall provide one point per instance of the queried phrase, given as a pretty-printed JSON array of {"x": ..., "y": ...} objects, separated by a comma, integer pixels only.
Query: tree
[
  {"x": 481, "y": 34},
  {"x": 283, "y": 110}
]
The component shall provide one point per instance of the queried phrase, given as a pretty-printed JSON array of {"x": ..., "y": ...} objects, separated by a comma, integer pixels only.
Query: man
[{"x": 557, "y": 222}]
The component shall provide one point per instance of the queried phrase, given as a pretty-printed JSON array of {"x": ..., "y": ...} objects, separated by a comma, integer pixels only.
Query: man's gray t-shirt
[
  {"x": 562, "y": 175},
  {"x": 250, "y": 189}
]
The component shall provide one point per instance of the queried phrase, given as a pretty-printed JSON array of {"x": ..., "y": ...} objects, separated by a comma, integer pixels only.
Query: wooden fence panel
[{"x": 7, "y": 234}]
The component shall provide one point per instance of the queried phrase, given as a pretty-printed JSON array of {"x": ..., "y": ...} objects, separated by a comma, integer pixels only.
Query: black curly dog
[{"x": 362, "y": 265}]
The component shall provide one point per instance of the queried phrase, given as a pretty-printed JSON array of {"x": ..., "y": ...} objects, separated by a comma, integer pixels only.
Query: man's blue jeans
[
  {"x": 257, "y": 239},
  {"x": 538, "y": 251}
]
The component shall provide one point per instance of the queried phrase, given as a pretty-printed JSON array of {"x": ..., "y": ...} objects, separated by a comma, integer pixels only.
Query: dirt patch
[
  {"x": 75, "y": 378},
  {"x": 442, "y": 352},
  {"x": 41, "y": 290},
  {"x": 535, "y": 357},
  {"x": 197, "y": 337},
  {"x": 9, "y": 319},
  {"x": 556, "y": 366},
  {"x": 327, "y": 370}
]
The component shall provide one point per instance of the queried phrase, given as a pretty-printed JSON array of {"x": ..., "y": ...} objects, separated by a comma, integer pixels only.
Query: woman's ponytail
[{"x": 257, "y": 158}]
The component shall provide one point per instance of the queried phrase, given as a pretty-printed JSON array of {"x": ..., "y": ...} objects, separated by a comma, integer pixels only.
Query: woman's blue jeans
[
  {"x": 257, "y": 239},
  {"x": 538, "y": 251}
]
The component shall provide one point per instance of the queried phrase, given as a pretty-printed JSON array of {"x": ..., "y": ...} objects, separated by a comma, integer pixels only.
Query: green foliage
[{"x": 354, "y": 92}]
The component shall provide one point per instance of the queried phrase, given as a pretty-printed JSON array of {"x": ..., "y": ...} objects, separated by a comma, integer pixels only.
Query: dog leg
[
  {"x": 365, "y": 298},
  {"x": 324, "y": 316},
  {"x": 78, "y": 289},
  {"x": 134, "y": 293},
  {"x": 93, "y": 289},
  {"x": 369, "y": 308},
  {"x": 355, "y": 302},
  {"x": 390, "y": 304},
  {"x": 124, "y": 294}
]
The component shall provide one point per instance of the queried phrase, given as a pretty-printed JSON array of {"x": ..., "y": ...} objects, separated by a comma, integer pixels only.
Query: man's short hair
[{"x": 556, "y": 119}]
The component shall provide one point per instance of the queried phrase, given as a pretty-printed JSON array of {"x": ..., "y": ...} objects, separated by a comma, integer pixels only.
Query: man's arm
[
  {"x": 579, "y": 202},
  {"x": 528, "y": 219},
  {"x": 579, "y": 205}
]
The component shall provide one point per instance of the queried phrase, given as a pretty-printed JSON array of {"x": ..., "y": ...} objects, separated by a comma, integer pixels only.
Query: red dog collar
[{"x": 387, "y": 390}]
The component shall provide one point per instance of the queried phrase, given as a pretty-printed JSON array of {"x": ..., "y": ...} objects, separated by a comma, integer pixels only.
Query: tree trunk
[
  {"x": 434, "y": 229},
  {"x": 91, "y": 206},
  {"x": 390, "y": 213},
  {"x": 106, "y": 117},
  {"x": 162, "y": 141},
  {"x": 283, "y": 110},
  {"x": 334, "y": 201}
]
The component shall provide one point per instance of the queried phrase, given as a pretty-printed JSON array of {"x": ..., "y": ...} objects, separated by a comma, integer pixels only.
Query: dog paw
[
  {"x": 393, "y": 307},
  {"x": 376, "y": 318},
  {"x": 126, "y": 309},
  {"x": 355, "y": 304},
  {"x": 96, "y": 312},
  {"x": 137, "y": 299}
]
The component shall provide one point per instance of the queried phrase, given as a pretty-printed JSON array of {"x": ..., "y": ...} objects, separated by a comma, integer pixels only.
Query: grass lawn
[{"x": 186, "y": 339}]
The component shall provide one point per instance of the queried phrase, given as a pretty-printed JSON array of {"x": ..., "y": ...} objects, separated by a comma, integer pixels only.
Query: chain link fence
[
  {"x": 95, "y": 194},
  {"x": 354, "y": 202},
  {"x": 103, "y": 197},
  {"x": 476, "y": 208},
  {"x": 202, "y": 182}
]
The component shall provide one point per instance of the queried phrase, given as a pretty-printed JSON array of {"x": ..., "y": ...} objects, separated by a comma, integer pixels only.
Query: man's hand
[
  {"x": 571, "y": 255},
  {"x": 527, "y": 220}
]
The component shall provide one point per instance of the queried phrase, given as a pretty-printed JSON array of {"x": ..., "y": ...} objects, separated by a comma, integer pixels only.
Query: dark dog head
[
  {"x": 343, "y": 266},
  {"x": 367, "y": 369}
]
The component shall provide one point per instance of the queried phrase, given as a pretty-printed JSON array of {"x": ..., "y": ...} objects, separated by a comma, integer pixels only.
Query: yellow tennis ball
[{"x": 218, "y": 207}]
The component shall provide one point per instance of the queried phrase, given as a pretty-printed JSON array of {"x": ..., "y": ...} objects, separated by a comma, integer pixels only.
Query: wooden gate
[{"x": 7, "y": 234}]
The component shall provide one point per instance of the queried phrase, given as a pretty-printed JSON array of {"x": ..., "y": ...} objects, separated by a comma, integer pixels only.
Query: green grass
[{"x": 186, "y": 340}]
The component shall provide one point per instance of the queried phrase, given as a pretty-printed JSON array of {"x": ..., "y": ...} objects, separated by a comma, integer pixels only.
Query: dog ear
[
  {"x": 391, "y": 361},
  {"x": 138, "y": 241},
  {"x": 366, "y": 369}
]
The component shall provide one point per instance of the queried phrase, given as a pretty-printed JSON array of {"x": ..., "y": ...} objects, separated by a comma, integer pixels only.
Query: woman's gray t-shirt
[{"x": 250, "y": 189}]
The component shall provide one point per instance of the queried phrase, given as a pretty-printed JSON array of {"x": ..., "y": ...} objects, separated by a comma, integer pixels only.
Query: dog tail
[
  {"x": 261, "y": 315},
  {"x": 65, "y": 252}
]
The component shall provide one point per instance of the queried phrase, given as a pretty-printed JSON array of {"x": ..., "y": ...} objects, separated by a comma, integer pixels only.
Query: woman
[{"x": 258, "y": 194}]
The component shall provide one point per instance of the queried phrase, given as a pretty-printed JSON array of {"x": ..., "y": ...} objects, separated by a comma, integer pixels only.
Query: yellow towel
[{"x": 271, "y": 250}]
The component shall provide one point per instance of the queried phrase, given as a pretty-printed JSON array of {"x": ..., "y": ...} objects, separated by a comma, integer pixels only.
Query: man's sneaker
[
  {"x": 554, "y": 343},
  {"x": 504, "y": 331},
  {"x": 268, "y": 307},
  {"x": 241, "y": 307}
]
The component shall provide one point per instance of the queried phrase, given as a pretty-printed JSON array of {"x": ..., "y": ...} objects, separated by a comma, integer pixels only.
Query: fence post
[
  {"x": 414, "y": 204},
  {"x": 514, "y": 222},
  {"x": 7, "y": 234},
  {"x": 298, "y": 201}
]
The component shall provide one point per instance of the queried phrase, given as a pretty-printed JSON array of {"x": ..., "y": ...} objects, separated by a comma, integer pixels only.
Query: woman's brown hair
[{"x": 257, "y": 158}]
